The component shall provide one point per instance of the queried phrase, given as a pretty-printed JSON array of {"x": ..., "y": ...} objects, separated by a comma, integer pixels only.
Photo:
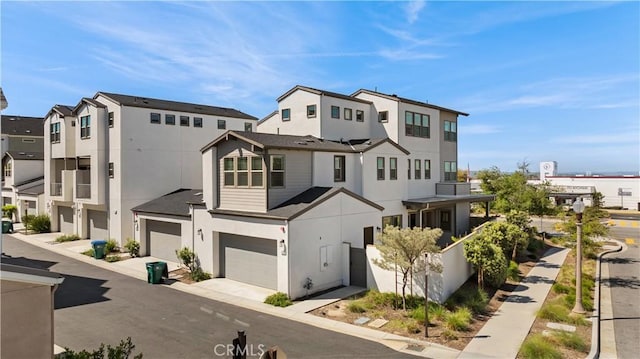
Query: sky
[{"x": 542, "y": 81}]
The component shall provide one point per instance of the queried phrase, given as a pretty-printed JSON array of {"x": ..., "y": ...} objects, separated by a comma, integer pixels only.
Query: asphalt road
[
  {"x": 624, "y": 281},
  {"x": 94, "y": 305}
]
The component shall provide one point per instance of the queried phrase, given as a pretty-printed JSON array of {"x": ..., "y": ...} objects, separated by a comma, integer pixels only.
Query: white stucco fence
[{"x": 455, "y": 272}]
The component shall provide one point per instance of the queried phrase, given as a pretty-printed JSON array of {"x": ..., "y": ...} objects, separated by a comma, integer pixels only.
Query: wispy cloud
[
  {"x": 413, "y": 9},
  {"x": 479, "y": 129}
]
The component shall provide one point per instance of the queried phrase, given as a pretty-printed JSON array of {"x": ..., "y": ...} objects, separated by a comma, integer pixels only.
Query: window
[
  {"x": 85, "y": 126},
  {"x": 256, "y": 172},
  {"x": 311, "y": 111},
  {"x": 338, "y": 169},
  {"x": 277, "y": 170},
  {"x": 335, "y": 111},
  {"x": 28, "y": 140},
  {"x": 169, "y": 119},
  {"x": 248, "y": 126},
  {"x": 450, "y": 171},
  {"x": 395, "y": 221},
  {"x": 380, "y": 166},
  {"x": 450, "y": 131},
  {"x": 228, "y": 169},
  {"x": 409, "y": 169},
  {"x": 184, "y": 120},
  {"x": 110, "y": 169},
  {"x": 110, "y": 119},
  {"x": 416, "y": 124},
  {"x": 222, "y": 124},
  {"x": 55, "y": 132},
  {"x": 347, "y": 114},
  {"x": 359, "y": 116},
  {"x": 427, "y": 169},
  {"x": 418, "y": 170},
  {"x": 197, "y": 122},
  {"x": 383, "y": 116},
  {"x": 242, "y": 171},
  {"x": 7, "y": 169},
  {"x": 393, "y": 168},
  {"x": 445, "y": 220},
  {"x": 154, "y": 117},
  {"x": 286, "y": 114}
]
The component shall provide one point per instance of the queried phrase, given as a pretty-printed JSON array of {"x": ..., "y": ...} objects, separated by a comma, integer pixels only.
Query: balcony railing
[
  {"x": 83, "y": 190},
  {"x": 56, "y": 189}
]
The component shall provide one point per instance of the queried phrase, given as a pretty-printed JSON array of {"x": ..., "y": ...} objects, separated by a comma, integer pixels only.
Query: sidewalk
[{"x": 504, "y": 333}]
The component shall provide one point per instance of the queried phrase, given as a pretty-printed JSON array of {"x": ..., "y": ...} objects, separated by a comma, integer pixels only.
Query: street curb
[{"x": 594, "y": 353}]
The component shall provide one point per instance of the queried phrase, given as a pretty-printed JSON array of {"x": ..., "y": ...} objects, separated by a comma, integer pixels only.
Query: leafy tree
[
  {"x": 597, "y": 199},
  {"x": 8, "y": 210},
  {"x": 539, "y": 202},
  {"x": 520, "y": 219},
  {"x": 121, "y": 351},
  {"x": 506, "y": 235},
  {"x": 463, "y": 175},
  {"x": 406, "y": 248},
  {"x": 487, "y": 258}
]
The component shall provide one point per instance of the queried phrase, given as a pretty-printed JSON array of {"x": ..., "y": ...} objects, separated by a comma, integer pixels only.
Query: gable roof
[
  {"x": 152, "y": 103},
  {"x": 175, "y": 203},
  {"x": 22, "y": 125},
  {"x": 303, "y": 143},
  {"x": 322, "y": 92},
  {"x": 25, "y": 156},
  {"x": 300, "y": 204},
  {"x": 409, "y": 101},
  {"x": 88, "y": 101},
  {"x": 62, "y": 110}
]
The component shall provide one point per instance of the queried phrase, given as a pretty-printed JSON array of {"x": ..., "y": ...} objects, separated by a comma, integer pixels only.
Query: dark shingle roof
[
  {"x": 145, "y": 102},
  {"x": 300, "y": 204},
  {"x": 303, "y": 143},
  {"x": 175, "y": 203},
  {"x": 21, "y": 156},
  {"x": 22, "y": 125},
  {"x": 322, "y": 92},
  {"x": 37, "y": 189},
  {"x": 29, "y": 181},
  {"x": 409, "y": 101}
]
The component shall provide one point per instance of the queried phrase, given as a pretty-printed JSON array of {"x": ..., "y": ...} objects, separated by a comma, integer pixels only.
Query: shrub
[
  {"x": 110, "y": 246},
  {"x": 132, "y": 247},
  {"x": 40, "y": 224},
  {"x": 476, "y": 299},
  {"x": 570, "y": 340},
  {"x": 89, "y": 252},
  {"x": 560, "y": 288},
  {"x": 513, "y": 272},
  {"x": 554, "y": 312},
  {"x": 187, "y": 257},
  {"x": 458, "y": 320},
  {"x": 112, "y": 258},
  {"x": 199, "y": 275},
  {"x": 121, "y": 351},
  {"x": 449, "y": 334},
  {"x": 418, "y": 314},
  {"x": 26, "y": 219},
  {"x": 356, "y": 307},
  {"x": 436, "y": 311},
  {"x": 279, "y": 299},
  {"x": 413, "y": 327},
  {"x": 67, "y": 238},
  {"x": 537, "y": 347}
]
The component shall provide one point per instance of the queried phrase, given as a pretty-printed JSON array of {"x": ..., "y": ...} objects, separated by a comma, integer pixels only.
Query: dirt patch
[{"x": 181, "y": 275}]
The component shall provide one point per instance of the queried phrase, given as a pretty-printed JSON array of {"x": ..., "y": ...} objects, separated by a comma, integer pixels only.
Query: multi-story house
[
  {"x": 293, "y": 206},
  {"x": 113, "y": 152},
  {"x": 23, "y": 164}
]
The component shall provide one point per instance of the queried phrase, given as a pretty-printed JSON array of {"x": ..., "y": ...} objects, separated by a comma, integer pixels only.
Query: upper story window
[
  {"x": 393, "y": 168},
  {"x": 54, "y": 132},
  {"x": 228, "y": 169},
  {"x": 380, "y": 167},
  {"x": 222, "y": 124},
  {"x": 427, "y": 169},
  {"x": 338, "y": 169},
  {"x": 184, "y": 121},
  {"x": 243, "y": 172},
  {"x": 276, "y": 172},
  {"x": 418, "y": 169},
  {"x": 248, "y": 127},
  {"x": 197, "y": 122},
  {"x": 7, "y": 169},
  {"x": 450, "y": 171},
  {"x": 286, "y": 114},
  {"x": 154, "y": 117},
  {"x": 85, "y": 126},
  {"x": 110, "y": 119},
  {"x": 348, "y": 113},
  {"x": 169, "y": 119},
  {"x": 450, "y": 131},
  {"x": 359, "y": 116},
  {"x": 311, "y": 111},
  {"x": 383, "y": 116},
  {"x": 335, "y": 112},
  {"x": 257, "y": 177},
  {"x": 409, "y": 169},
  {"x": 416, "y": 124}
]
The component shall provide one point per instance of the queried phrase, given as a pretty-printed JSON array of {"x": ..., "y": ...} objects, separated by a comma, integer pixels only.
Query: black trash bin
[
  {"x": 98, "y": 248},
  {"x": 155, "y": 272}
]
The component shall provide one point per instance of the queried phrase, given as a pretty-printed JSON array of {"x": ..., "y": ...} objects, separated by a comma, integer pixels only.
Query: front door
[{"x": 358, "y": 267}]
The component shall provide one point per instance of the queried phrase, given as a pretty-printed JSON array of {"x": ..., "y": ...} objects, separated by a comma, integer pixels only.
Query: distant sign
[{"x": 624, "y": 191}]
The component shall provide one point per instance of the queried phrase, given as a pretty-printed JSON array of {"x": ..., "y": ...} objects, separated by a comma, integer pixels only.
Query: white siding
[
  {"x": 299, "y": 124},
  {"x": 298, "y": 175}
]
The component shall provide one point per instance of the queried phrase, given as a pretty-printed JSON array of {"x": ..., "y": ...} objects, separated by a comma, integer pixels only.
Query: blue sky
[{"x": 542, "y": 80}]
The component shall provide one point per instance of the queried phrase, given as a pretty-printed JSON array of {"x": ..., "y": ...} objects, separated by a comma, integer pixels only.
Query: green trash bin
[
  {"x": 155, "y": 272},
  {"x": 7, "y": 226},
  {"x": 98, "y": 248}
]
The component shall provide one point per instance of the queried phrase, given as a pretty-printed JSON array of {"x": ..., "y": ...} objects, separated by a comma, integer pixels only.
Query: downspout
[
  {"x": 286, "y": 225},
  {"x": 193, "y": 227}
]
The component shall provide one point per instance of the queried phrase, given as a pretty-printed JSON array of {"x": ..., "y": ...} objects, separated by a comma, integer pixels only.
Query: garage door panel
[
  {"x": 164, "y": 239},
  {"x": 97, "y": 224},
  {"x": 65, "y": 219},
  {"x": 249, "y": 260}
]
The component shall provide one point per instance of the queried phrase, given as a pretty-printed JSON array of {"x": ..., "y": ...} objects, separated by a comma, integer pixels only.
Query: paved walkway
[
  {"x": 320, "y": 301},
  {"x": 503, "y": 334}
]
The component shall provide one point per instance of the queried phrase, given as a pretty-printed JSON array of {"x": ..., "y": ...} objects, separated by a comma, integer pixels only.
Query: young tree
[
  {"x": 507, "y": 236},
  {"x": 539, "y": 202},
  {"x": 405, "y": 248},
  {"x": 488, "y": 260}
]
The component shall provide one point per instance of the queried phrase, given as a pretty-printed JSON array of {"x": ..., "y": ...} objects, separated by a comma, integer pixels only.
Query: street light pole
[{"x": 578, "y": 208}]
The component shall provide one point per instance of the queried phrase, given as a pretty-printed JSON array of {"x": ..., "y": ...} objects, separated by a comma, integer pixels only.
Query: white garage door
[
  {"x": 65, "y": 219},
  {"x": 163, "y": 239},
  {"x": 97, "y": 225},
  {"x": 249, "y": 260}
]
